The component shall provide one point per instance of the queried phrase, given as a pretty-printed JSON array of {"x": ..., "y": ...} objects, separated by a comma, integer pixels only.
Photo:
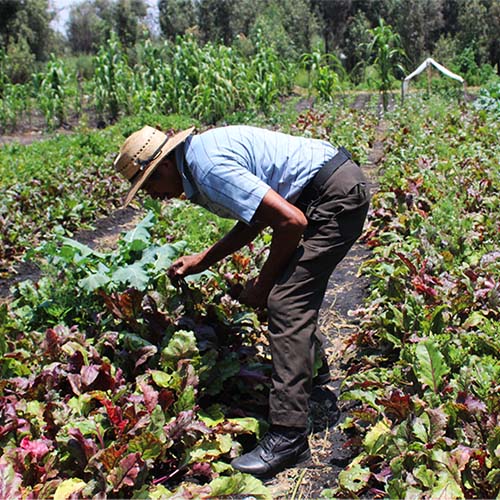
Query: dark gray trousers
[{"x": 335, "y": 222}]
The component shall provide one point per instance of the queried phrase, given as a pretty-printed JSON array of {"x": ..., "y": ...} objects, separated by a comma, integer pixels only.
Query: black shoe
[{"x": 277, "y": 450}]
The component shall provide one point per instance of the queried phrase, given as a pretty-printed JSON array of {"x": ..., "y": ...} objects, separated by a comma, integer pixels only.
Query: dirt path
[{"x": 345, "y": 294}]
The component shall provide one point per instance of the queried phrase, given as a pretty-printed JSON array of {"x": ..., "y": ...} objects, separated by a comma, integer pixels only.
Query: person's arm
[
  {"x": 288, "y": 224},
  {"x": 239, "y": 236}
]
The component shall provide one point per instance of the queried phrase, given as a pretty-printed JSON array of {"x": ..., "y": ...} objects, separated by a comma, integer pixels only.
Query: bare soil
[{"x": 33, "y": 127}]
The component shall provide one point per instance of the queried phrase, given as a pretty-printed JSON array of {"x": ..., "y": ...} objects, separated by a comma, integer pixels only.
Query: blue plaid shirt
[{"x": 229, "y": 170}]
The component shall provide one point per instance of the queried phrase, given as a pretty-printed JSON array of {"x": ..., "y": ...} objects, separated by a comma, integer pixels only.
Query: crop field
[{"x": 117, "y": 383}]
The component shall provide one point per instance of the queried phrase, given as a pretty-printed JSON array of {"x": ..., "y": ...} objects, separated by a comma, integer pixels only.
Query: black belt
[
  {"x": 314, "y": 186},
  {"x": 329, "y": 167}
]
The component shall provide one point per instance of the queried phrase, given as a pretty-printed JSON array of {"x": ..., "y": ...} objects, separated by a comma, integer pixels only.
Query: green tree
[
  {"x": 86, "y": 28},
  {"x": 450, "y": 14},
  {"x": 268, "y": 26},
  {"x": 354, "y": 50},
  {"x": 332, "y": 16},
  {"x": 493, "y": 30},
  {"x": 27, "y": 21},
  {"x": 474, "y": 33},
  {"x": 374, "y": 9},
  {"x": 446, "y": 50},
  {"x": 129, "y": 20},
  {"x": 288, "y": 22},
  {"x": 214, "y": 20},
  {"x": 482, "y": 34},
  {"x": 299, "y": 22},
  {"x": 419, "y": 24},
  {"x": 8, "y": 12},
  {"x": 19, "y": 61},
  {"x": 91, "y": 23},
  {"x": 176, "y": 17},
  {"x": 244, "y": 14}
]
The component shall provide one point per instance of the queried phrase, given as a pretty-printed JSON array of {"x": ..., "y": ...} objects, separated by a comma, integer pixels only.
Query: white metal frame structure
[{"x": 428, "y": 64}]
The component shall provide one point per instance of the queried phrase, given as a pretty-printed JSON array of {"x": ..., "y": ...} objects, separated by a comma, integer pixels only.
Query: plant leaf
[
  {"x": 375, "y": 438},
  {"x": 94, "y": 281},
  {"x": 133, "y": 275},
  {"x": 77, "y": 248},
  {"x": 430, "y": 367},
  {"x": 10, "y": 482},
  {"x": 68, "y": 488},
  {"x": 354, "y": 478},
  {"x": 239, "y": 484},
  {"x": 446, "y": 487},
  {"x": 125, "y": 474},
  {"x": 166, "y": 254},
  {"x": 147, "y": 445},
  {"x": 243, "y": 425},
  {"x": 140, "y": 232},
  {"x": 425, "y": 475},
  {"x": 209, "y": 449},
  {"x": 161, "y": 378},
  {"x": 182, "y": 345}
]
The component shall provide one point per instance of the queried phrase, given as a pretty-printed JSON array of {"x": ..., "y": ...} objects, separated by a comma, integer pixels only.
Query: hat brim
[{"x": 171, "y": 144}]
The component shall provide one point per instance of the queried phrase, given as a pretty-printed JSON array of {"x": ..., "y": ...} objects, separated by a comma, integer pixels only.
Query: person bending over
[{"x": 313, "y": 197}]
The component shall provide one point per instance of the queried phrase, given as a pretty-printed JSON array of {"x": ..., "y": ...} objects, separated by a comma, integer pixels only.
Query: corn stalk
[
  {"x": 325, "y": 73},
  {"x": 112, "y": 80},
  {"x": 52, "y": 92},
  {"x": 386, "y": 48}
]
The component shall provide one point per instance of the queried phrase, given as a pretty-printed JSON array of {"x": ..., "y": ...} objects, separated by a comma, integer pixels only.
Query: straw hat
[{"x": 142, "y": 152}]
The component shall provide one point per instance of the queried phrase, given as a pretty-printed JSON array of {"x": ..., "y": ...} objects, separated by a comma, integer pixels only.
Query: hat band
[{"x": 143, "y": 164}]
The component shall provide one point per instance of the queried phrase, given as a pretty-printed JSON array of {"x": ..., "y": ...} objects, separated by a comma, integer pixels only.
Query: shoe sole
[{"x": 301, "y": 460}]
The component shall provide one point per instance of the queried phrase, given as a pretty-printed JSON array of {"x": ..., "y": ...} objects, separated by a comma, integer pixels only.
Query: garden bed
[{"x": 116, "y": 381}]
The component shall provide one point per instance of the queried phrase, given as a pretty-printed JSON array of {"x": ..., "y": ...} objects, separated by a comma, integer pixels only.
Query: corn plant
[
  {"x": 325, "y": 73},
  {"x": 269, "y": 76},
  {"x": 52, "y": 92},
  {"x": 215, "y": 94},
  {"x": 112, "y": 80},
  {"x": 14, "y": 103},
  {"x": 199, "y": 80},
  {"x": 185, "y": 63},
  {"x": 386, "y": 49},
  {"x": 151, "y": 64},
  {"x": 148, "y": 82},
  {"x": 15, "y": 99},
  {"x": 206, "y": 82}
]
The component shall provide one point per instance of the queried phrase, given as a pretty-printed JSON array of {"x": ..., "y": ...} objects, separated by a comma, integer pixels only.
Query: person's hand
[
  {"x": 255, "y": 294},
  {"x": 186, "y": 265}
]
